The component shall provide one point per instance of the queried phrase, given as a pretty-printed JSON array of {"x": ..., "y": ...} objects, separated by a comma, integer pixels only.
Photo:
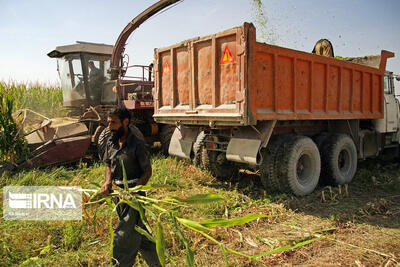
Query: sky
[{"x": 29, "y": 29}]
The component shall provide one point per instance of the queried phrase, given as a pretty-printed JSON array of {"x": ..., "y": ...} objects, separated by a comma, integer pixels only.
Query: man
[
  {"x": 94, "y": 73},
  {"x": 96, "y": 79},
  {"x": 124, "y": 146}
]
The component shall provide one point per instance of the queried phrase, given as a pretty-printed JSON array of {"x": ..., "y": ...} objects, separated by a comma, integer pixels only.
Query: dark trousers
[{"x": 127, "y": 241}]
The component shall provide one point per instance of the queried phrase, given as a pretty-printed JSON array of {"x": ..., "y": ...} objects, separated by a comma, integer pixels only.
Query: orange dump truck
[{"x": 299, "y": 118}]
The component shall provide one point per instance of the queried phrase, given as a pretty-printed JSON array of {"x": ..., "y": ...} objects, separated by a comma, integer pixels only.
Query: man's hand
[{"x": 105, "y": 189}]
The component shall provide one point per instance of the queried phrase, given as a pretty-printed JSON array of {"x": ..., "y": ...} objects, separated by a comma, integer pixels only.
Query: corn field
[
  {"x": 13, "y": 96},
  {"x": 12, "y": 144},
  {"x": 47, "y": 100}
]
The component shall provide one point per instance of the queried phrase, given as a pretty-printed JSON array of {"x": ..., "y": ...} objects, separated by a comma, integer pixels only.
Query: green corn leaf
[
  {"x": 200, "y": 199},
  {"x": 95, "y": 184},
  {"x": 109, "y": 203},
  {"x": 134, "y": 203},
  {"x": 111, "y": 229},
  {"x": 189, "y": 252},
  {"x": 224, "y": 253},
  {"x": 192, "y": 224},
  {"x": 232, "y": 222},
  {"x": 160, "y": 244},
  {"x": 126, "y": 187},
  {"x": 286, "y": 248},
  {"x": 151, "y": 186},
  {"x": 145, "y": 233}
]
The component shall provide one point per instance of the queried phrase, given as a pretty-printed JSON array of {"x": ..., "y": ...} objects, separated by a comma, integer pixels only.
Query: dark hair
[{"x": 121, "y": 112}]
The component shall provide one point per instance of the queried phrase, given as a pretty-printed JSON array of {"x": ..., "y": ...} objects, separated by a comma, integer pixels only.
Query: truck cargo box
[{"x": 229, "y": 79}]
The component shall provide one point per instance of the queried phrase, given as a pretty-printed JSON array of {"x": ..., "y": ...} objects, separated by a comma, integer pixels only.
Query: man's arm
[
  {"x": 105, "y": 189},
  {"x": 145, "y": 177}
]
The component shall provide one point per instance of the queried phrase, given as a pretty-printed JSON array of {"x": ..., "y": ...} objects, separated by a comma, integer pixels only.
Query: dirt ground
[{"x": 358, "y": 225}]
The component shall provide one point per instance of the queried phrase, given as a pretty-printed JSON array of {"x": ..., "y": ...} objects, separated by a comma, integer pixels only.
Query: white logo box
[{"x": 42, "y": 203}]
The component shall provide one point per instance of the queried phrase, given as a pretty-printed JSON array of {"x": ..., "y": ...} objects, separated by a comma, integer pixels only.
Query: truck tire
[
  {"x": 198, "y": 147},
  {"x": 339, "y": 159},
  {"x": 165, "y": 137},
  {"x": 217, "y": 164},
  {"x": 268, "y": 175},
  {"x": 299, "y": 166}
]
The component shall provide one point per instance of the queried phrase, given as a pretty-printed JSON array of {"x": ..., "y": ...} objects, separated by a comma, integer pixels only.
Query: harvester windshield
[{"x": 83, "y": 73}]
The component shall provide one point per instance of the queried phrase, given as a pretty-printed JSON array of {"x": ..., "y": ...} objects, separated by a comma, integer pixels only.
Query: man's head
[
  {"x": 118, "y": 121},
  {"x": 91, "y": 64}
]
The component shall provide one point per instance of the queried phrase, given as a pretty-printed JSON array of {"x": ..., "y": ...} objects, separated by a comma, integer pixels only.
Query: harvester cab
[{"x": 82, "y": 68}]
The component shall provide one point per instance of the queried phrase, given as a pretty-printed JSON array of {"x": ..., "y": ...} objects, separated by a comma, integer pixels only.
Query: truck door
[
  {"x": 392, "y": 119},
  {"x": 390, "y": 122}
]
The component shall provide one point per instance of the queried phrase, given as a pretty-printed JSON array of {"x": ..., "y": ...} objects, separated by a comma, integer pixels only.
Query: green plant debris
[
  {"x": 360, "y": 225},
  {"x": 265, "y": 31}
]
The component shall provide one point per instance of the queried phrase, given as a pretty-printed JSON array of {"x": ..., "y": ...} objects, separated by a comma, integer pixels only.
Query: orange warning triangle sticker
[
  {"x": 226, "y": 57},
  {"x": 166, "y": 69}
]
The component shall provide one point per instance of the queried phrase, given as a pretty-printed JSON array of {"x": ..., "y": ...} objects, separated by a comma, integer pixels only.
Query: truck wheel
[
  {"x": 165, "y": 137},
  {"x": 339, "y": 159},
  {"x": 102, "y": 142},
  {"x": 217, "y": 164},
  {"x": 268, "y": 175},
  {"x": 300, "y": 165},
  {"x": 197, "y": 149}
]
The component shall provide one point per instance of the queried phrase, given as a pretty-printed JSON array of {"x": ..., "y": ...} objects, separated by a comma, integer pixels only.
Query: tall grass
[
  {"x": 12, "y": 144},
  {"x": 47, "y": 100}
]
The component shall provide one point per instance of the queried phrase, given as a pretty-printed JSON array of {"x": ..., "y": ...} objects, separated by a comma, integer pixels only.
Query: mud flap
[
  {"x": 182, "y": 141},
  {"x": 243, "y": 150},
  {"x": 245, "y": 145}
]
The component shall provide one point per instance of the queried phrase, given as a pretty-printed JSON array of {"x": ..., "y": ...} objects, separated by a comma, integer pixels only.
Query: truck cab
[
  {"x": 390, "y": 122},
  {"x": 82, "y": 68}
]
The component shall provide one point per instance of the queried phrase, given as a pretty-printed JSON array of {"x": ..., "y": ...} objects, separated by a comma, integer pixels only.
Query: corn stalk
[{"x": 13, "y": 146}]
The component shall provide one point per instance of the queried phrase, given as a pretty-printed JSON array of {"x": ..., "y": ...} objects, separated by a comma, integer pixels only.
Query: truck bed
[{"x": 230, "y": 79}]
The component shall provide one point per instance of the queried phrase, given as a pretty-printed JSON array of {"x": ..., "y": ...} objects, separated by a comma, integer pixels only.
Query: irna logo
[{"x": 42, "y": 203}]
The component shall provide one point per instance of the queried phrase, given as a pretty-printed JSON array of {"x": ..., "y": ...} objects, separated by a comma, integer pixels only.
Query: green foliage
[
  {"x": 343, "y": 58},
  {"x": 277, "y": 241},
  {"x": 12, "y": 144},
  {"x": 47, "y": 100},
  {"x": 72, "y": 236},
  {"x": 169, "y": 206},
  {"x": 13, "y": 96}
]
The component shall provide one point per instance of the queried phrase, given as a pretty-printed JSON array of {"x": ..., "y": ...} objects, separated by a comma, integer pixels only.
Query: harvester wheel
[
  {"x": 165, "y": 137},
  {"x": 339, "y": 159},
  {"x": 300, "y": 165},
  {"x": 97, "y": 133},
  {"x": 102, "y": 142}
]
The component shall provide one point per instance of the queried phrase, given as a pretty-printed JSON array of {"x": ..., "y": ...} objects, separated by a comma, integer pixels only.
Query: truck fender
[
  {"x": 246, "y": 143},
  {"x": 182, "y": 141}
]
